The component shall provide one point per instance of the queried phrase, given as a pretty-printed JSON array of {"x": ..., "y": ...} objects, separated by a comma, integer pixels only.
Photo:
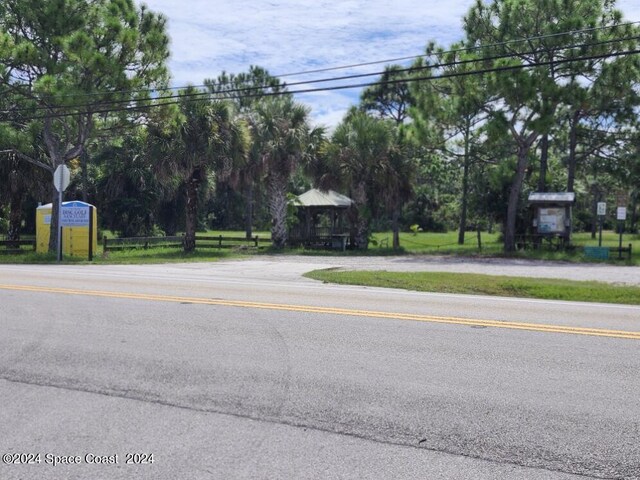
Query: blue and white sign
[{"x": 75, "y": 216}]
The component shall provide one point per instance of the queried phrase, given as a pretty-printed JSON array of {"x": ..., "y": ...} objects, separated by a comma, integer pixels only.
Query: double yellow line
[{"x": 536, "y": 327}]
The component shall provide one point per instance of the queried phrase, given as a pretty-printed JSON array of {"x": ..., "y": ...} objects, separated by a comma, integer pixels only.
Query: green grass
[
  {"x": 428, "y": 243},
  {"x": 474, "y": 284},
  {"x": 439, "y": 243},
  {"x": 155, "y": 255},
  {"x": 163, "y": 255},
  {"x": 423, "y": 243}
]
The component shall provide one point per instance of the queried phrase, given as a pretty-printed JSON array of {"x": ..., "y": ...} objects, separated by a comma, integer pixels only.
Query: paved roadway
[{"x": 246, "y": 370}]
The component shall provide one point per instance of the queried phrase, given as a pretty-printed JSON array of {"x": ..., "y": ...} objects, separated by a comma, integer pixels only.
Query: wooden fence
[
  {"x": 15, "y": 246},
  {"x": 219, "y": 241}
]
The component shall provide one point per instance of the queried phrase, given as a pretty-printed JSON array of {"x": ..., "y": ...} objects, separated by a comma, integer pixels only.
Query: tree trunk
[
  {"x": 278, "y": 208},
  {"x": 191, "y": 218},
  {"x": 15, "y": 215},
  {"x": 53, "y": 231},
  {"x": 248, "y": 211},
  {"x": 594, "y": 217},
  {"x": 573, "y": 143},
  {"x": 634, "y": 213},
  {"x": 362, "y": 223},
  {"x": 462, "y": 227},
  {"x": 465, "y": 187},
  {"x": 56, "y": 158},
  {"x": 395, "y": 223},
  {"x": 84, "y": 160},
  {"x": 544, "y": 161},
  {"x": 514, "y": 198}
]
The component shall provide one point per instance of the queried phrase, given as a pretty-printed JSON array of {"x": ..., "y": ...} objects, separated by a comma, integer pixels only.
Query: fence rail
[
  {"x": 15, "y": 246},
  {"x": 219, "y": 241}
]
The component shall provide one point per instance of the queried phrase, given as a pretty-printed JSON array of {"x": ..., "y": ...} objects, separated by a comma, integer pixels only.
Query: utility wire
[
  {"x": 483, "y": 71},
  {"x": 458, "y": 50},
  {"x": 378, "y": 62},
  {"x": 225, "y": 93}
]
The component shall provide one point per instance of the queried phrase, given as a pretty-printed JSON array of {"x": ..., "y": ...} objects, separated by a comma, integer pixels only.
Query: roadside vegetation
[
  {"x": 546, "y": 100},
  {"x": 422, "y": 243},
  {"x": 472, "y": 284}
]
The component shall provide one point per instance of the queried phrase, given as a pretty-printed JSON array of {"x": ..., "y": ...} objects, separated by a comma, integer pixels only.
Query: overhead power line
[
  {"x": 482, "y": 71},
  {"x": 379, "y": 62},
  {"x": 234, "y": 93},
  {"x": 458, "y": 50}
]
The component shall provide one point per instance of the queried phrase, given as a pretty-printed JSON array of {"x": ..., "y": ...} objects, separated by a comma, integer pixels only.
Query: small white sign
[
  {"x": 75, "y": 216},
  {"x": 47, "y": 219},
  {"x": 622, "y": 213},
  {"x": 602, "y": 208}
]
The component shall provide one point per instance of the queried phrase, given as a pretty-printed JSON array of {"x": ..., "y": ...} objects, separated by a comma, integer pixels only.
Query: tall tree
[
  {"x": 398, "y": 181},
  {"x": 128, "y": 190},
  {"x": 18, "y": 178},
  {"x": 528, "y": 40},
  {"x": 360, "y": 158},
  {"x": 390, "y": 97},
  {"x": 281, "y": 130},
  {"x": 246, "y": 90},
  {"x": 206, "y": 139},
  {"x": 454, "y": 105},
  {"x": 76, "y": 59},
  {"x": 600, "y": 98}
]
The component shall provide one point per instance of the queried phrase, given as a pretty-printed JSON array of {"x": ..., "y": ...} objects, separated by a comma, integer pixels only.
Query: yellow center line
[{"x": 537, "y": 327}]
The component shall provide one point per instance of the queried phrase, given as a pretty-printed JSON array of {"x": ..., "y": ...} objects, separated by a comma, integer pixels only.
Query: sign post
[
  {"x": 602, "y": 211},
  {"x": 622, "y": 200},
  {"x": 621, "y": 216},
  {"x": 61, "y": 178}
]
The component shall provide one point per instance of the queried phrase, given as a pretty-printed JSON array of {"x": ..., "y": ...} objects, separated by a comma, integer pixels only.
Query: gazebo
[{"x": 321, "y": 220}]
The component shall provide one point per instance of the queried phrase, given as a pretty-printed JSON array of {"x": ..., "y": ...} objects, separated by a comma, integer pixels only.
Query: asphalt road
[{"x": 247, "y": 370}]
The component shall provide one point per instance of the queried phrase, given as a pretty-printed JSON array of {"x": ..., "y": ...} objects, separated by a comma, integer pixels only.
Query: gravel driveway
[{"x": 489, "y": 266}]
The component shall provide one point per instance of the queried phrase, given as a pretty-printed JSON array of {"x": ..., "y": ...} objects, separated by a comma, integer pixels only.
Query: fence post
[
  {"x": 256, "y": 241},
  {"x": 104, "y": 240}
]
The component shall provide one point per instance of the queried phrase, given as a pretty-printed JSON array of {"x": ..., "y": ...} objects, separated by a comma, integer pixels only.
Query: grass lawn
[
  {"x": 422, "y": 243},
  {"x": 474, "y": 284},
  {"x": 425, "y": 243},
  {"x": 429, "y": 243}
]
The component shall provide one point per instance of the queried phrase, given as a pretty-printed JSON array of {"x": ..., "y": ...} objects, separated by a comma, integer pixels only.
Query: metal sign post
[
  {"x": 602, "y": 211},
  {"x": 622, "y": 216},
  {"x": 91, "y": 227},
  {"x": 61, "y": 178}
]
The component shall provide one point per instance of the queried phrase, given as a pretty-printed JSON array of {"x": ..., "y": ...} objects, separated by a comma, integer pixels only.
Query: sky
[{"x": 290, "y": 36}]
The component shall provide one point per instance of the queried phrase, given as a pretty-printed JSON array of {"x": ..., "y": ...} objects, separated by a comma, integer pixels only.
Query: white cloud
[{"x": 287, "y": 36}]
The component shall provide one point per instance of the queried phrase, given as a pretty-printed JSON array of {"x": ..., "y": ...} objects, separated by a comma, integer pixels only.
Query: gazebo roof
[{"x": 319, "y": 198}]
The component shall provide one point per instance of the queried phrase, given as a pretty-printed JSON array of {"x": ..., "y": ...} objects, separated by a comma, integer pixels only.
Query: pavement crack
[{"x": 127, "y": 395}]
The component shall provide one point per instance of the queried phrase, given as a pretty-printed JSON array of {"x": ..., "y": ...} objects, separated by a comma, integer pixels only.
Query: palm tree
[
  {"x": 206, "y": 137},
  {"x": 281, "y": 133},
  {"x": 127, "y": 188},
  {"x": 397, "y": 184},
  {"x": 362, "y": 152}
]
